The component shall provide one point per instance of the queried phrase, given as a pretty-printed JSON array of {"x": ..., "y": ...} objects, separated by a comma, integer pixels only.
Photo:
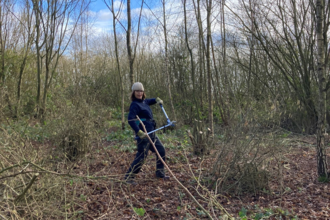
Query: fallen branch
[
  {"x": 27, "y": 188},
  {"x": 178, "y": 181},
  {"x": 8, "y": 168},
  {"x": 16, "y": 174},
  {"x": 213, "y": 198}
]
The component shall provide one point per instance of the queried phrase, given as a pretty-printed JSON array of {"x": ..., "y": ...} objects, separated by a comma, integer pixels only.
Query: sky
[
  {"x": 150, "y": 28},
  {"x": 103, "y": 16},
  {"x": 98, "y": 5}
]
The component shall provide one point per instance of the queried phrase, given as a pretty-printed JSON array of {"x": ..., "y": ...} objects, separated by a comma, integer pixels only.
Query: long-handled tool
[{"x": 169, "y": 122}]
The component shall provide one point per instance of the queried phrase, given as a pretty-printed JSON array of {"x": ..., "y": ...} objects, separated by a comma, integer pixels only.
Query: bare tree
[
  {"x": 221, "y": 70},
  {"x": 207, "y": 49},
  {"x": 53, "y": 34},
  {"x": 288, "y": 36},
  {"x": 2, "y": 43},
  {"x": 192, "y": 63},
  {"x": 3, "y": 37},
  {"x": 9, "y": 43},
  {"x": 283, "y": 32},
  {"x": 128, "y": 30},
  {"x": 121, "y": 78},
  {"x": 7, "y": 32},
  {"x": 28, "y": 37},
  {"x": 80, "y": 41},
  {"x": 201, "y": 51},
  {"x": 167, "y": 74}
]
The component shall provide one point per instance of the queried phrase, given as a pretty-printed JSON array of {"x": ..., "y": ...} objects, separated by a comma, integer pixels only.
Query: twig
[
  {"x": 65, "y": 209},
  {"x": 107, "y": 211},
  {"x": 161, "y": 159},
  {"x": 16, "y": 174},
  {"x": 208, "y": 192},
  {"x": 12, "y": 189},
  {"x": 27, "y": 188},
  {"x": 2, "y": 165},
  {"x": 102, "y": 216},
  {"x": 213, "y": 211},
  {"x": 3, "y": 217},
  {"x": 8, "y": 168},
  {"x": 55, "y": 173}
]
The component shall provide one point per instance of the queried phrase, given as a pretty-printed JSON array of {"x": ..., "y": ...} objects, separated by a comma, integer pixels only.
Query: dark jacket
[{"x": 142, "y": 109}]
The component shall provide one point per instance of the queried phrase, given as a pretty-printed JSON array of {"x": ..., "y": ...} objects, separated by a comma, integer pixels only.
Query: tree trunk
[
  {"x": 28, "y": 41},
  {"x": 128, "y": 40},
  {"x": 201, "y": 54},
  {"x": 121, "y": 79},
  {"x": 193, "y": 77},
  {"x": 167, "y": 74},
  {"x": 228, "y": 92},
  {"x": 208, "y": 64},
  {"x": 217, "y": 91},
  {"x": 38, "y": 49},
  {"x": 321, "y": 35},
  {"x": 22, "y": 67},
  {"x": 3, "y": 36}
]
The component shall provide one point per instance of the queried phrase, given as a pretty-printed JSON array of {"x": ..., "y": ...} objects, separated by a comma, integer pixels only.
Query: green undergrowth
[
  {"x": 31, "y": 130},
  {"x": 125, "y": 139},
  {"x": 257, "y": 213}
]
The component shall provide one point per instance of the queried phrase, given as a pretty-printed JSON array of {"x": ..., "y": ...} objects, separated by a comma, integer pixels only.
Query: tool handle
[
  {"x": 162, "y": 127},
  {"x": 168, "y": 120},
  {"x": 169, "y": 123}
]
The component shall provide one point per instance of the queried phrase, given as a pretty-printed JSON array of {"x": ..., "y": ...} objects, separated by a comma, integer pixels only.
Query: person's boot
[
  {"x": 131, "y": 181},
  {"x": 165, "y": 178}
]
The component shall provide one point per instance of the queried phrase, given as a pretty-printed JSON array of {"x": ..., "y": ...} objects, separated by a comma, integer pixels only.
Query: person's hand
[
  {"x": 159, "y": 101},
  {"x": 142, "y": 134}
]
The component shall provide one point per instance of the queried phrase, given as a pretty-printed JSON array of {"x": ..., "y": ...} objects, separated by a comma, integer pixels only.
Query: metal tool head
[{"x": 169, "y": 122}]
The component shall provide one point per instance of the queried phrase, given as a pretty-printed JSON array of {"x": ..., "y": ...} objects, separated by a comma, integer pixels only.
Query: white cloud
[
  {"x": 119, "y": 5},
  {"x": 104, "y": 15},
  {"x": 103, "y": 19}
]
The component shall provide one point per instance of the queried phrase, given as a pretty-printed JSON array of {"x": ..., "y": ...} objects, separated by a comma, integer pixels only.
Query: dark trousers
[{"x": 143, "y": 146}]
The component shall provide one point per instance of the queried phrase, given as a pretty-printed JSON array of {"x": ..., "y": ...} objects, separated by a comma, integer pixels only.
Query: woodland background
[{"x": 247, "y": 82}]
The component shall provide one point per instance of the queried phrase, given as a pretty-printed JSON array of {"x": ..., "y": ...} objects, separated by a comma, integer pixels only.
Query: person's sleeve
[
  {"x": 133, "y": 110},
  {"x": 150, "y": 101}
]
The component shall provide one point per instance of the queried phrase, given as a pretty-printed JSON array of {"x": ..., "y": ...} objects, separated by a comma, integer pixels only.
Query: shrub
[
  {"x": 243, "y": 159},
  {"x": 73, "y": 130}
]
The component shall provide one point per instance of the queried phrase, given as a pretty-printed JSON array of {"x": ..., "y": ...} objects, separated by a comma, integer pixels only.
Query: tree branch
[
  {"x": 27, "y": 188},
  {"x": 178, "y": 181}
]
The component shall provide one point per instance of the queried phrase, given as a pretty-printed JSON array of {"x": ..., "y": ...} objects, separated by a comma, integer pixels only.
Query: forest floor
[{"x": 302, "y": 197}]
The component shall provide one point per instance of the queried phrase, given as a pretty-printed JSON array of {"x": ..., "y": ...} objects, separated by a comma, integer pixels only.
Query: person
[{"x": 140, "y": 106}]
